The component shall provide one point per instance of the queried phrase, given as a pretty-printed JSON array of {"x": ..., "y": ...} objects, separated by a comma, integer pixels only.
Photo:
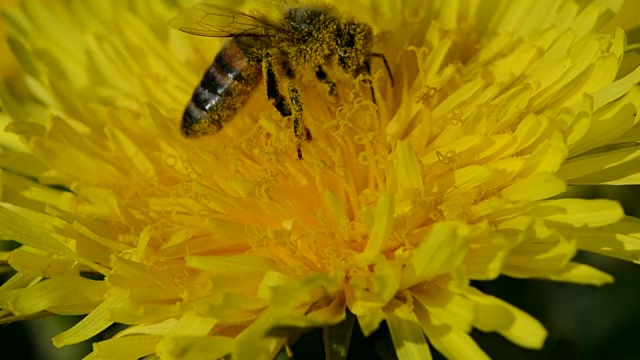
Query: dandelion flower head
[{"x": 225, "y": 244}]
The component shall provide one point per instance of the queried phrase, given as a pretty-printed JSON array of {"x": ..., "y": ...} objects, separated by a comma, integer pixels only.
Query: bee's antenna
[{"x": 386, "y": 65}]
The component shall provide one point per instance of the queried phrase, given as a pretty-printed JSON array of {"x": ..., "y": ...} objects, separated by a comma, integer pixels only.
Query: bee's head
[{"x": 354, "y": 47}]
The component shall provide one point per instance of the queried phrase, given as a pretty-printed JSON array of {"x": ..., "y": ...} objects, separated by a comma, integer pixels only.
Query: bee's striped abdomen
[{"x": 224, "y": 88}]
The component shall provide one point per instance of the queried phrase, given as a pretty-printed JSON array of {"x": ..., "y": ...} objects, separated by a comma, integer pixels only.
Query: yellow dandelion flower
[{"x": 229, "y": 244}]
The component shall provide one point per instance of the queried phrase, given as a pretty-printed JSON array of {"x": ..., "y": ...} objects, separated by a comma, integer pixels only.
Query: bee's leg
[
  {"x": 322, "y": 76},
  {"x": 273, "y": 93},
  {"x": 299, "y": 129},
  {"x": 282, "y": 105},
  {"x": 368, "y": 72},
  {"x": 386, "y": 65}
]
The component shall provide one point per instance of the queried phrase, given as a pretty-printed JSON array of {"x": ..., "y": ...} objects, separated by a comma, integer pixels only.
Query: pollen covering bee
[{"x": 300, "y": 38}]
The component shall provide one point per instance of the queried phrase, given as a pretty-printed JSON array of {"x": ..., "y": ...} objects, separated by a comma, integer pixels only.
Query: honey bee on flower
[{"x": 304, "y": 39}]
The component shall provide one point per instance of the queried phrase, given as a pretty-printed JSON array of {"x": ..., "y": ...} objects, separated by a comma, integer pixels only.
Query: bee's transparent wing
[{"x": 221, "y": 21}]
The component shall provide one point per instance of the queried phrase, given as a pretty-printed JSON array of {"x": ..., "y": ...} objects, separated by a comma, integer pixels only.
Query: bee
[{"x": 274, "y": 48}]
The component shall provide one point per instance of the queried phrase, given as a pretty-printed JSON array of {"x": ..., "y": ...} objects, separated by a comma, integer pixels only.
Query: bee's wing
[{"x": 221, "y": 21}]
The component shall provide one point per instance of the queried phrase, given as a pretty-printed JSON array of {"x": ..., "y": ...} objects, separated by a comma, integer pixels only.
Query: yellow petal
[
  {"x": 617, "y": 165},
  {"x": 16, "y": 227},
  {"x": 194, "y": 348},
  {"x": 441, "y": 251},
  {"x": 579, "y": 274},
  {"x": 98, "y": 320},
  {"x": 493, "y": 314},
  {"x": 130, "y": 347},
  {"x": 619, "y": 240},
  {"x": 578, "y": 212},
  {"x": 610, "y": 122},
  {"x": 536, "y": 187},
  {"x": 27, "y": 261},
  {"x": 444, "y": 306},
  {"x": 452, "y": 342},
  {"x": 409, "y": 174},
  {"x": 65, "y": 295},
  {"x": 382, "y": 226},
  {"x": 407, "y": 335}
]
